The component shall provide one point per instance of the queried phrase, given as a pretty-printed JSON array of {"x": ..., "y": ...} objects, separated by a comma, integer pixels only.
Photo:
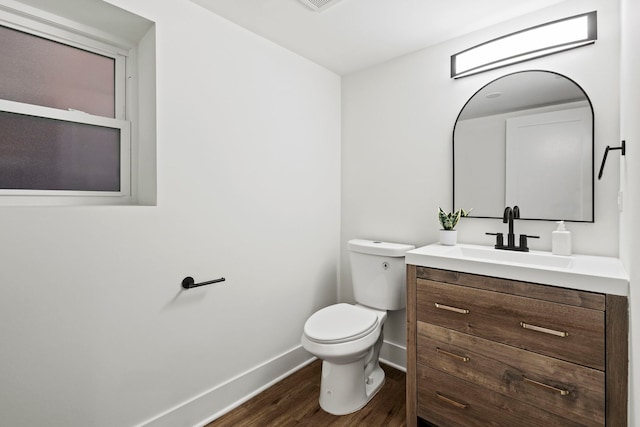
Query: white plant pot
[{"x": 448, "y": 237}]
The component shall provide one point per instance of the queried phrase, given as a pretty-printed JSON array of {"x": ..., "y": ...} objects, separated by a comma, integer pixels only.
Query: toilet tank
[{"x": 379, "y": 274}]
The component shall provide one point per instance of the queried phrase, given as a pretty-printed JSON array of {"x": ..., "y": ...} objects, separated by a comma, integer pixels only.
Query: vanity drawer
[
  {"x": 448, "y": 401},
  {"x": 567, "y": 332},
  {"x": 524, "y": 289},
  {"x": 563, "y": 388}
]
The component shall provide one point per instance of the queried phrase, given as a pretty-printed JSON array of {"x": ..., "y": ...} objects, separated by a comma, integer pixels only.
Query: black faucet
[{"x": 509, "y": 215}]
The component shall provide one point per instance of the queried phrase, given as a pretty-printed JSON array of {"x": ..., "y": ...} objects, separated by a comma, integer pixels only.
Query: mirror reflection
[{"x": 526, "y": 139}]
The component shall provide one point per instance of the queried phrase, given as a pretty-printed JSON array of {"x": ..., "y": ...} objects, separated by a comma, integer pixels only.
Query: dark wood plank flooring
[{"x": 294, "y": 402}]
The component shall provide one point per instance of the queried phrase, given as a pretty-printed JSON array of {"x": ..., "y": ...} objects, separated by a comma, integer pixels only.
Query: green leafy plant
[{"x": 449, "y": 220}]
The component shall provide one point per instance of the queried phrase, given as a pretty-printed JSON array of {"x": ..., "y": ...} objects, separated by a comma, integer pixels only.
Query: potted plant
[{"x": 448, "y": 221}]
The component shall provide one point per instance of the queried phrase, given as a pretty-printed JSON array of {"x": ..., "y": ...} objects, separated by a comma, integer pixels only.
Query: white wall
[
  {"x": 630, "y": 179},
  {"x": 95, "y": 329},
  {"x": 397, "y": 128}
]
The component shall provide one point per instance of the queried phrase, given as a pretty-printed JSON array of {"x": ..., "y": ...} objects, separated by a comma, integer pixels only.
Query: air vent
[{"x": 319, "y": 5}]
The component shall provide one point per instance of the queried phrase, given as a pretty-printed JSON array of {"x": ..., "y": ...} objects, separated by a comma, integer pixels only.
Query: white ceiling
[{"x": 355, "y": 34}]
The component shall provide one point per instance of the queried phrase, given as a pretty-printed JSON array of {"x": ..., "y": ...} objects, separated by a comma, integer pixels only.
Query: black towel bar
[
  {"x": 606, "y": 152},
  {"x": 188, "y": 282}
]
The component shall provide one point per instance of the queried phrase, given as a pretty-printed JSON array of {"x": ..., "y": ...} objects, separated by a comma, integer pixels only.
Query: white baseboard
[
  {"x": 212, "y": 404},
  {"x": 394, "y": 355},
  {"x": 202, "y": 409}
]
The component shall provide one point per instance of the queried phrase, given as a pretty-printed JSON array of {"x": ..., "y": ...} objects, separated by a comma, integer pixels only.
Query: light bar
[{"x": 542, "y": 40}]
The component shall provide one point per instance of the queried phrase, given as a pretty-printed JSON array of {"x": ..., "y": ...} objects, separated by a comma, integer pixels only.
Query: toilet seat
[{"x": 340, "y": 323}]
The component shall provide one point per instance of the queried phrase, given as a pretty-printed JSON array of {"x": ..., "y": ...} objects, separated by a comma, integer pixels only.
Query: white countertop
[{"x": 583, "y": 272}]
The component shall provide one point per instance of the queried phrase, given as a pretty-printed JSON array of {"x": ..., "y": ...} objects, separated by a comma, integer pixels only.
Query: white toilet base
[
  {"x": 375, "y": 382},
  {"x": 344, "y": 388}
]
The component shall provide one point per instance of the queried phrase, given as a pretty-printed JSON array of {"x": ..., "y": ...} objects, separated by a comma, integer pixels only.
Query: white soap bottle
[{"x": 561, "y": 240}]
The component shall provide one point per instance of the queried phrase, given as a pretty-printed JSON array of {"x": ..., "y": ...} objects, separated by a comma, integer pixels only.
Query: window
[
  {"x": 58, "y": 118},
  {"x": 67, "y": 101}
]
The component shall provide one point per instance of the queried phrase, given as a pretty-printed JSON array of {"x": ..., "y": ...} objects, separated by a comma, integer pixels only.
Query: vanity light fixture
[{"x": 541, "y": 40}]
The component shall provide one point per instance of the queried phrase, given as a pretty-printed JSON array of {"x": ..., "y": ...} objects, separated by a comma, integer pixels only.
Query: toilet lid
[{"x": 340, "y": 323}]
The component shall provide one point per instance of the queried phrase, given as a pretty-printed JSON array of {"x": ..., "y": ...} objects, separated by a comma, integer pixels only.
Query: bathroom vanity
[{"x": 527, "y": 339}]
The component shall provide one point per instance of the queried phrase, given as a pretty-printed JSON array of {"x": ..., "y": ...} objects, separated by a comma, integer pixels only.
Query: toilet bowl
[{"x": 348, "y": 337}]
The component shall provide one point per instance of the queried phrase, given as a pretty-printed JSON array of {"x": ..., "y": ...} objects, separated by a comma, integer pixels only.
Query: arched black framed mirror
[{"x": 526, "y": 139}]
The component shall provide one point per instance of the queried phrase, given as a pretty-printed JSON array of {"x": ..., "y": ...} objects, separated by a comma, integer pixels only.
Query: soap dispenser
[{"x": 561, "y": 240}]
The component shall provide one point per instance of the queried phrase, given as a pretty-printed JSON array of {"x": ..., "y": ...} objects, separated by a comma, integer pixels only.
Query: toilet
[{"x": 348, "y": 337}]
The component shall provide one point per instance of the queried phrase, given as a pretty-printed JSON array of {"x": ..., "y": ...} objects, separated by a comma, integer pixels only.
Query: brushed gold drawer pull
[
  {"x": 544, "y": 330},
  {"x": 454, "y": 309},
  {"x": 546, "y": 386},
  {"x": 451, "y": 401},
  {"x": 455, "y": 356}
]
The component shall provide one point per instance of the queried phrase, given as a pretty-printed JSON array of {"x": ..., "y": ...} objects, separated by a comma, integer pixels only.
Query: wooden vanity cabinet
[{"x": 489, "y": 351}]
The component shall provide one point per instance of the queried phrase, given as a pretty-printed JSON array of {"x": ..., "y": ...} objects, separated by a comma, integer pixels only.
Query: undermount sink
[
  {"x": 530, "y": 258},
  {"x": 584, "y": 272}
]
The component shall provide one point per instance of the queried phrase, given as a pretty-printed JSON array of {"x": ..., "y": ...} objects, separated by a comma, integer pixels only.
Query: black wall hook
[
  {"x": 606, "y": 152},
  {"x": 188, "y": 282}
]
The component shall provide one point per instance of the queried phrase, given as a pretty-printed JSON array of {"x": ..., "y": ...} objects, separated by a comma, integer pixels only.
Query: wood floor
[{"x": 294, "y": 402}]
